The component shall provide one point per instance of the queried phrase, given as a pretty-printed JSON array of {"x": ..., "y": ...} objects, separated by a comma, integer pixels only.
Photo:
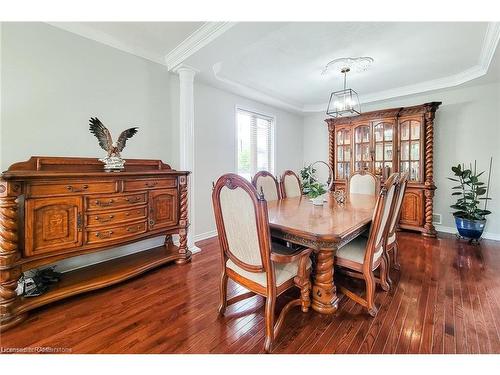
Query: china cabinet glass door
[
  {"x": 411, "y": 153},
  {"x": 383, "y": 145},
  {"x": 362, "y": 156},
  {"x": 343, "y": 154}
]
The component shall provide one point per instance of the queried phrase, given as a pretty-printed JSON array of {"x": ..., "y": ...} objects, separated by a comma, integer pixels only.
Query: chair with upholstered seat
[
  {"x": 392, "y": 243},
  {"x": 269, "y": 185},
  {"x": 363, "y": 182},
  {"x": 290, "y": 185},
  {"x": 362, "y": 256},
  {"x": 250, "y": 259}
]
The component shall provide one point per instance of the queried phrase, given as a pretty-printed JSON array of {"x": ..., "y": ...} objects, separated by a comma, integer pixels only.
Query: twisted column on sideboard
[
  {"x": 331, "y": 150},
  {"x": 9, "y": 255},
  {"x": 429, "y": 171},
  {"x": 183, "y": 219}
]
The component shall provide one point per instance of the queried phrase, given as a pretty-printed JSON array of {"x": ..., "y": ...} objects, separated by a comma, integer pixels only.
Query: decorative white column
[{"x": 186, "y": 139}]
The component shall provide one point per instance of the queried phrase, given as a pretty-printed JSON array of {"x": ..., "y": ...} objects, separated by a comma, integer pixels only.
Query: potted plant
[
  {"x": 307, "y": 176},
  {"x": 316, "y": 192},
  {"x": 470, "y": 219}
]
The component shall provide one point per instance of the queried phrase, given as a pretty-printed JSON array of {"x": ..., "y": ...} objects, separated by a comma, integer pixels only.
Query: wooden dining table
[{"x": 324, "y": 229}]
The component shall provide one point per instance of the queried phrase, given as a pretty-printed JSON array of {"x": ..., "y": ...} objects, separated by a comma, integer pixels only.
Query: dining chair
[
  {"x": 290, "y": 185},
  {"x": 250, "y": 259},
  {"x": 269, "y": 185},
  {"x": 363, "y": 182},
  {"x": 363, "y": 255},
  {"x": 392, "y": 243}
]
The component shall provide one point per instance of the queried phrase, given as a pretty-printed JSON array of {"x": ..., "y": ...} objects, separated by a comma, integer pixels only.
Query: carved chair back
[
  {"x": 243, "y": 225},
  {"x": 268, "y": 183},
  {"x": 363, "y": 182},
  {"x": 403, "y": 181},
  {"x": 290, "y": 185},
  {"x": 380, "y": 221}
]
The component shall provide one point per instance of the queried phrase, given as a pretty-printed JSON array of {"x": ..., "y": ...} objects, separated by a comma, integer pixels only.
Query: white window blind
[{"x": 255, "y": 143}]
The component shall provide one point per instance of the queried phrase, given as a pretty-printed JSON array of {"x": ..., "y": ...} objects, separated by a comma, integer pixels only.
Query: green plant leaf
[
  {"x": 480, "y": 191},
  {"x": 483, "y": 212}
]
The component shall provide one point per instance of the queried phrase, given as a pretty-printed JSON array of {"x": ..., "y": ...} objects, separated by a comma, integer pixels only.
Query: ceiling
[
  {"x": 152, "y": 40},
  {"x": 280, "y": 63}
]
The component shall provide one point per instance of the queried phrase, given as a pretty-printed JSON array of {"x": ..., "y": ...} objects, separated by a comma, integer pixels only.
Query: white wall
[
  {"x": 54, "y": 81},
  {"x": 467, "y": 128},
  {"x": 215, "y": 144}
]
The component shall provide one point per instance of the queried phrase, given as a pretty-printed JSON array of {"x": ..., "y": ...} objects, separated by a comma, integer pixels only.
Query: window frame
[{"x": 245, "y": 108}]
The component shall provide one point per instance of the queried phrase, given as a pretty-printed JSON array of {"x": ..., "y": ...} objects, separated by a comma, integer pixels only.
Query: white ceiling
[
  {"x": 152, "y": 40},
  {"x": 281, "y": 62}
]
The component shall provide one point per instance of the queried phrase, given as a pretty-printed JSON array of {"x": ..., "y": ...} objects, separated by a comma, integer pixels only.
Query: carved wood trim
[
  {"x": 68, "y": 182},
  {"x": 183, "y": 218},
  {"x": 429, "y": 169},
  {"x": 424, "y": 113},
  {"x": 10, "y": 271}
]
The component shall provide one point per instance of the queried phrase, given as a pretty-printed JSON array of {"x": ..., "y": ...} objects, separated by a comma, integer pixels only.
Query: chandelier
[{"x": 346, "y": 102}]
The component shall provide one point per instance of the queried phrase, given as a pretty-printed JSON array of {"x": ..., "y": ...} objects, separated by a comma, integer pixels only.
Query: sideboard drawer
[
  {"x": 71, "y": 188},
  {"x": 115, "y": 233},
  {"x": 106, "y": 202},
  {"x": 149, "y": 183},
  {"x": 116, "y": 217}
]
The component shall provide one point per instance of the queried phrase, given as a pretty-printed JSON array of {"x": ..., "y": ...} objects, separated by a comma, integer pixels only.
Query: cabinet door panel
[
  {"x": 411, "y": 148},
  {"x": 412, "y": 208},
  {"x": 162, "y": 208},
  {"x": 53, "y": 224}
]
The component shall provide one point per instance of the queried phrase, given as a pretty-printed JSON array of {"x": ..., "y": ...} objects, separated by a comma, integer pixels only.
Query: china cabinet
[{"x": 387, "y": 141}]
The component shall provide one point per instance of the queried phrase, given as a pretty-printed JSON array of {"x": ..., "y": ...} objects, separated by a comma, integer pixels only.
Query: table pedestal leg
[{"x": 324, "y": 296}]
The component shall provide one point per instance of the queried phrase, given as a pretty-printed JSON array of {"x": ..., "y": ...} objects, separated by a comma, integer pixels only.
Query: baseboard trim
[
  {"x": 204, "y": 236},
  {"x": 85, "y": 260},
  {"x": 453, "y": 230}
]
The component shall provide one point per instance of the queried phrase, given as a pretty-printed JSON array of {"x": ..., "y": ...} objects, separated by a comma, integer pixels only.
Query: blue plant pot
[{"x": 472, "y": 229}]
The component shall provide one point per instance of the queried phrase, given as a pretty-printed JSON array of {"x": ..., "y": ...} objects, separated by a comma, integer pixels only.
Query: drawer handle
[
  {"x": 134, "y": 229},
  {"x": 104, "y": 235},
  {"x": 138, "y": 212},
  {"x": 104, "y": 204},
  {"x": 104, "y": 220},
  {"x": 73, "y": 190},
  {"x": 137, "y": 199},
  {"x": 151, "y": 184}
]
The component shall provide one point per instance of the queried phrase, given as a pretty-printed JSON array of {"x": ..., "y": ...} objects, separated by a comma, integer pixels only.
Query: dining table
[{"x": 323, "y": 228}]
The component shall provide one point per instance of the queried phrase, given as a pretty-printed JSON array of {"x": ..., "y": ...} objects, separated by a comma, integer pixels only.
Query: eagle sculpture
[{"x": 113, "y": 161}]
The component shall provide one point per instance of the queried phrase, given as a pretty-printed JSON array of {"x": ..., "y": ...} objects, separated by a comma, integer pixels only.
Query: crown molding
[
  {"x": 253, "y": 93},
  {"x": 103, "y": 38},
  {"x": 490, "y": 43},
  {"x": 419, "y": 88},
  {"x": 202, "y": 36},
  {"x": 208, "y": 32}
]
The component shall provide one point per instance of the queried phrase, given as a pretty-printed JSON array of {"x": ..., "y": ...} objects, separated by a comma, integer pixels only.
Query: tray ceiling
[{"x": 280, "y": 63}]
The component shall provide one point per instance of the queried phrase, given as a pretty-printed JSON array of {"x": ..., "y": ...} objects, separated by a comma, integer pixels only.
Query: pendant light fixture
[{"x": 346, "y": 102}]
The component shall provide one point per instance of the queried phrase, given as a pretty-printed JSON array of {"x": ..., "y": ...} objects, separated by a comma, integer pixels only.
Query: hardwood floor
[{"x": 445, "y": 299}]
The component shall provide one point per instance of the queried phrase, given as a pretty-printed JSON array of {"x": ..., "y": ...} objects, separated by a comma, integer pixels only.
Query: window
[{"x": 255, "y": 137}]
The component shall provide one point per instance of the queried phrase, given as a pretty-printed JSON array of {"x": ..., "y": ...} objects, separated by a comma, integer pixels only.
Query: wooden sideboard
[
  {"x": 56, "y": 208},
  {"x": 387, "y": 141}
]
